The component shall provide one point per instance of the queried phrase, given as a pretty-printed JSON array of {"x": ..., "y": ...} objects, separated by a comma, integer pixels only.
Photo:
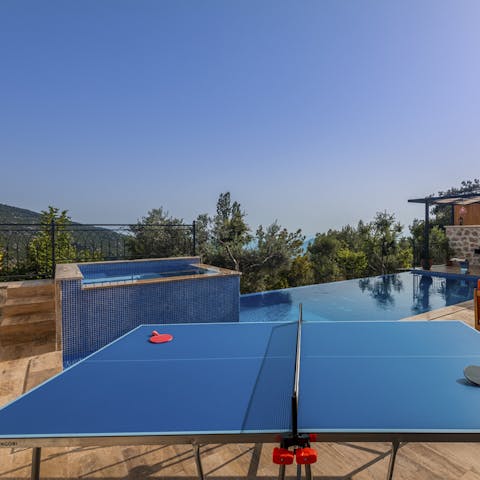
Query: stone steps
[
  {"x": 30, "y": 288},
  {"x": 26, "y": 305},
  {"x": 39, "y": 331},
  {"x": 27, "y": 319},
  {"x": 27, "y": 313}
]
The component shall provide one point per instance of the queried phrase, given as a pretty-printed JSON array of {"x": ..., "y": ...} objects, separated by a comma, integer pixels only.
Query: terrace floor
[
  {"x": 473, "y": 270},
  {"x": 336, "y": 461}
]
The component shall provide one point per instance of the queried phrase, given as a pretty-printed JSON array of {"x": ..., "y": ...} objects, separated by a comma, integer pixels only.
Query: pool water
[
  {"x": 102, "y": 277},
  {"x": 388, "y": 297}
]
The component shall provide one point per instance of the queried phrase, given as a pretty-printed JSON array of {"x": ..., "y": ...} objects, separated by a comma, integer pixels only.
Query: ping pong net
[{"x": 295, "y": 445}]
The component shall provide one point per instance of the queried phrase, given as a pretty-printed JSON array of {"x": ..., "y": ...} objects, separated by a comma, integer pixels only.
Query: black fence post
[
  {"x": 414, "y": 254},
  {"x": 52, "y": 237},
  {"x": 194, "y": 238},
  {"x": 426, "y": 239}
]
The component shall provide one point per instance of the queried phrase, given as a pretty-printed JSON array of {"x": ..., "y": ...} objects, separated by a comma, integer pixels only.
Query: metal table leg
[
  {"x": 393, "y": 456},
  {"x": 308, "y": 472},
  {"x": 198, "y": 461},
  {"x": 36, "y": 457}
]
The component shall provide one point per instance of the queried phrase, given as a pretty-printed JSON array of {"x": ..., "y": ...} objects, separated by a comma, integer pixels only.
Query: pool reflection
[{"x": 381, "y": 289}]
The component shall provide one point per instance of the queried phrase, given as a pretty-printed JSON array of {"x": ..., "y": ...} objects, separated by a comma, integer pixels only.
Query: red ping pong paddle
[{"x": 160, "y": 337}]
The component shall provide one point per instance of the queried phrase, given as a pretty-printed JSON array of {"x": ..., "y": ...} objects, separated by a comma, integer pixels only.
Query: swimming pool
[{"x": 388, "y": 297}]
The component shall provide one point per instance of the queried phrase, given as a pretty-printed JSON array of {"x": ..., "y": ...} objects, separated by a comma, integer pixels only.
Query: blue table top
[
  {"x": 237, "y": 379},
  {"x": 388, "y": 376}
]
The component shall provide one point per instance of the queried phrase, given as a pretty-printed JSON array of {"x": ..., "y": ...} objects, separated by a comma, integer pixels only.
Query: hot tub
[{"x": 100, "y": 301}]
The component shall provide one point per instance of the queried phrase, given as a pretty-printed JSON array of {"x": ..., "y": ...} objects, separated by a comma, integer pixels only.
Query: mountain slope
[{"x": 9, "y": 214}]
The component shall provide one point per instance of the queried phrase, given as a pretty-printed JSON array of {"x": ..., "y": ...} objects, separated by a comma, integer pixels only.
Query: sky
[{"x": 313, "y": 113}]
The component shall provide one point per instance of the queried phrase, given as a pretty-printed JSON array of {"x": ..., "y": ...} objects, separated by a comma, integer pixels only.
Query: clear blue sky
[{"x": 315, "y": 113}]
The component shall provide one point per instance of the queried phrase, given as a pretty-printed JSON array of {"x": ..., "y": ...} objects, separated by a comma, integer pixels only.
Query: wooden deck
[{"x": 340, "y": 461}]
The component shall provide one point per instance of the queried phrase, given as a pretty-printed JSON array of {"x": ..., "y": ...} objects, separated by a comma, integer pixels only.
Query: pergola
[{"x": 452, "y": 200}]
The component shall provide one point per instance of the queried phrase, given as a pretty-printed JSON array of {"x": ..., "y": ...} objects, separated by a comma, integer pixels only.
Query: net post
[
  {"x": 296, "y": 378},
  {"x": 300, "y": 442},
  {"x": 194, "y": 238}
]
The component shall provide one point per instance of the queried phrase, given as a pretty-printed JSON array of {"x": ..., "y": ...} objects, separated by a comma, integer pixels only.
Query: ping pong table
[{"x": 286, "y": 383}]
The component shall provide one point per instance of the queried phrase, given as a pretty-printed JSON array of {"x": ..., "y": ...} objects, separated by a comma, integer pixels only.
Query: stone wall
[{"x": 464, "y": 240}]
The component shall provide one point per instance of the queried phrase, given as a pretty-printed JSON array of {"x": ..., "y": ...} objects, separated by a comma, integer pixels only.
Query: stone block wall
[{"x": 464, "y": 240}]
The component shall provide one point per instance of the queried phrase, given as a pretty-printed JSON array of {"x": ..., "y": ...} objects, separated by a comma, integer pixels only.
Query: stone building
[
  {"x": 464, "y": 232},
  {"x": 464, "y": 235}
]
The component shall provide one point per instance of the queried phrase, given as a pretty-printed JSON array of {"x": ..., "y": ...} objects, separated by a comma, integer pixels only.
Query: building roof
[{"x": 458, "y": 199}]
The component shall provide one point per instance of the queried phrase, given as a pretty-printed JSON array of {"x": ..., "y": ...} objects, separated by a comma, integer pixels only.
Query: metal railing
[
  {"x": 439, "y": 253},
  {"x": 32, "y": 250}
]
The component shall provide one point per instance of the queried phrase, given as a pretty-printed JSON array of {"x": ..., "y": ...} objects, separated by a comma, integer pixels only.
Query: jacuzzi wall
[{"x": 95, "y": 316}]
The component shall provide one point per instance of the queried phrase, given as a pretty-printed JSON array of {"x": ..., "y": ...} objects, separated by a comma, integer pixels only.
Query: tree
[
  {"x": 160, "y": 235},
  {"x": 273, "y": 257},
  {"x": 202, "y": 235},
  {"x": 41, "y": 250},
  {"x": 230, "y": 233},
  {"x": 323, "y": 251},
  {"x": 351, "y": 264},
  {"x": 380, "y": 239},
  {"x": 267, "y": 265},
  {"x": 373, "y": 248},
  {"x": 265, "y": 259},
  {"x": 440, "y": 250},
  {"x": 301, "y": 272}
]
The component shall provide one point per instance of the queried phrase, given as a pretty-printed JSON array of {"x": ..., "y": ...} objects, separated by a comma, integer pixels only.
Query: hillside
[{"x": 9, "y": 214}]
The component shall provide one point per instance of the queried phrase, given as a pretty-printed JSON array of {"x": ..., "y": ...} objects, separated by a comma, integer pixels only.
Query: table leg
[
  {"x": 198, "y": 461},
  {"x": 36, "y": 456},
  {"x": 308, "y": 472},
  {"x": 393, "y": 456}
]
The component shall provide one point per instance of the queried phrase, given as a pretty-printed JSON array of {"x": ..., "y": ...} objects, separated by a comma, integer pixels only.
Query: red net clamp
[
  {"x": 306, "y": 456},
  {"x": 282, "y": 456}
]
